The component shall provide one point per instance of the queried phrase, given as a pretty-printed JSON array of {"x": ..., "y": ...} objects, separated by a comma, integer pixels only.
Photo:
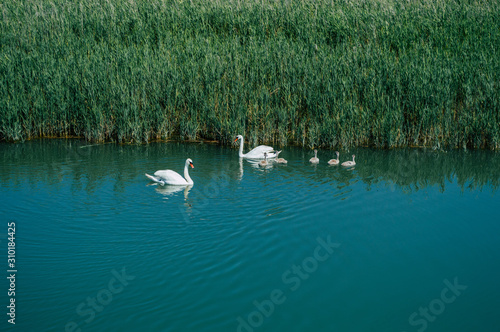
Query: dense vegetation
[{"x": 317, "y": 73}]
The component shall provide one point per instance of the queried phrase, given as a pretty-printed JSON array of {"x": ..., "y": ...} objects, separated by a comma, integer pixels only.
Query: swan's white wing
[
  {"x": 171, "y": 177},
  {"x": 258, "y": 152},
  {"x": 262, "y": 149},
  {"x": 155, "y": 179}
]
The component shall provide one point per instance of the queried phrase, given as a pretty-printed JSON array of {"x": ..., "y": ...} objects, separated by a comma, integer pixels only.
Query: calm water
[{"x": 408, "y": 240}]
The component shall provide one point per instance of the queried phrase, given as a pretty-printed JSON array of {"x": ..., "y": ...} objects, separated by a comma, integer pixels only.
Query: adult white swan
[
  {"x": 173, "y": 178},
  {"x": 258, "y": 152}
]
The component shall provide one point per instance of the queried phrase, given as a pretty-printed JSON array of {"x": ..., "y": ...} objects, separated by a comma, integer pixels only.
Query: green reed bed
[{"x": 313, "y": 73}]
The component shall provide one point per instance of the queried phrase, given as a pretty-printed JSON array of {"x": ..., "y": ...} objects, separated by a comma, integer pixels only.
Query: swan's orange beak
[
  {"x": 191, "y": 164},
  {"x": 236, "y": 139}
]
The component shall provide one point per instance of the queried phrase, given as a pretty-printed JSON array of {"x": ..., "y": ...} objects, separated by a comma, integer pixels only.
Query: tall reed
[{"x": 316, "y": 73}]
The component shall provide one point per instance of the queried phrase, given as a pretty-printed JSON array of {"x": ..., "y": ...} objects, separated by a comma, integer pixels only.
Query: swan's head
[
  {"x": 189, "y": 162},
  {"x": 277, "y": 153},
  {"x": 337, "y": 153},
  {"x": 238, "y": 137},
  {"x": 353, "y": 156},
  {"x": 315, "y": 151}
]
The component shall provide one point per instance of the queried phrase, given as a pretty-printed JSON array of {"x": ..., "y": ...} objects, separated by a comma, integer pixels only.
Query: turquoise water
[{"x": 407, "y": 240}]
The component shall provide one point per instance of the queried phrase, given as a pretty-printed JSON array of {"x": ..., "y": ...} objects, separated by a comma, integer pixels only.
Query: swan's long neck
[
  {"x": 315, "y": 154},
  {"x": 241, "y": 148},
  {"x": 186, "y": 174}
]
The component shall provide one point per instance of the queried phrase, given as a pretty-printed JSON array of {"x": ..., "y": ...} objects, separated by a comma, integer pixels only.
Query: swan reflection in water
[
  {"x": 255, "y": 163},
  {"x": 168, "y": 191},
  {"x": 240, "y": 174}
]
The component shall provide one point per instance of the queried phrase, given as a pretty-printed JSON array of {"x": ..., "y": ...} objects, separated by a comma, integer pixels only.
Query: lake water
[{"x": 407, "y": 240}]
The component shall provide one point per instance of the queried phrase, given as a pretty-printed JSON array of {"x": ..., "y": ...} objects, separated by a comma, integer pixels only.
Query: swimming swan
[
  {"x": 257, "y": 153},
  {"x": 173, "y": 178},
  {"x": 264, "y": 162},
  {"x": 315, "y": 159},
  {"x": 334, "y": 161},
  {"x": 280, "y": 160},
  {"x": 349, "y": 163}
]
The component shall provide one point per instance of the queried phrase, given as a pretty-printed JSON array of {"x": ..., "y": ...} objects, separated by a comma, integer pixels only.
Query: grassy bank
[{"x": 322, "y": 73}]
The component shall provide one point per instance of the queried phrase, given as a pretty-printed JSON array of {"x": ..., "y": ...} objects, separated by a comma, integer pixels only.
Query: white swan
[
  {"x": 334, "y": 161},
  {"x": 315, "y": 159},
  {"x": 280, "y": 160},
  {"x": 264, "y": 162},
  {"x": 257, "y": 153},
  {"x": 173, "y": 178},
  {"x": 349, "y": 163}
]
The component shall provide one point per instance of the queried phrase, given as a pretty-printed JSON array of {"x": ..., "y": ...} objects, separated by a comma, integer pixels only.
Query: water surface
[{"x": 294, "y": 247}]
